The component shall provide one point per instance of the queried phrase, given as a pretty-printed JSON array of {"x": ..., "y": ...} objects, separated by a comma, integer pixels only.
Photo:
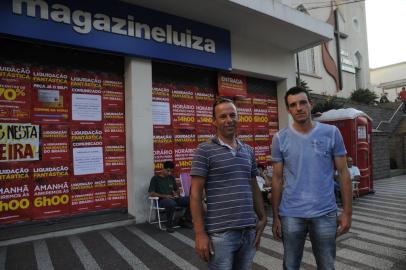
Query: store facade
[{"x": 94, "y": 99}]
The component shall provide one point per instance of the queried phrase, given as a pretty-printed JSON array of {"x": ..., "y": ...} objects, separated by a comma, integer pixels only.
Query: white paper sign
[
  {"x": 161, "y": 113},
  {"x": 86, "y": 107},
  {"x": 362, "y": 132},
  {"x": 87, "y": 160}
]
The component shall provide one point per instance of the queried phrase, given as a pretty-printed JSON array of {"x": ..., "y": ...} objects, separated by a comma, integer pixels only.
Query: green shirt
[{"x": 163, "y": 185}]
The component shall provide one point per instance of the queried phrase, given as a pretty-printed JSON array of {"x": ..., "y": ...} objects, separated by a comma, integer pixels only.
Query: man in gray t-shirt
[{"x": 304, "y": 155}]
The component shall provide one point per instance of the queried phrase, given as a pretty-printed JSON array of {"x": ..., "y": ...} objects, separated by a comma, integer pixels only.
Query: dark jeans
[{"x": 170, "y": 207}]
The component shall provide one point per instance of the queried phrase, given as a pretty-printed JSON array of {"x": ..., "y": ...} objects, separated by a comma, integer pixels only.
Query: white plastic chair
[{"x": 155, "y": 209}]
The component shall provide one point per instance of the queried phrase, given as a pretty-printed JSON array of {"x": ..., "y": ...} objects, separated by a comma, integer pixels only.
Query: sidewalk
[{"x": 377, "y": 240}]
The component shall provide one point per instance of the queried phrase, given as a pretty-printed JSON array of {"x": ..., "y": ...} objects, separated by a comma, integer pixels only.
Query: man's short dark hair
[
  {"x": 169, "y": 165},
  {"x": 218, "y": 101},
  {"x": 294, "y": 91}
]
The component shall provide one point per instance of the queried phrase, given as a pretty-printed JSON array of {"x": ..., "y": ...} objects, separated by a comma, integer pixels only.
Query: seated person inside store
[
  {"x": 164, "y": 187},
  {"x": 264, "y": 183},
  {"x": 354, "y": 174}
]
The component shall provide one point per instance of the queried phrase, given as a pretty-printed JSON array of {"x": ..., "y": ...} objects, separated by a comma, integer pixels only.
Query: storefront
[{"x": 93, "y": 100}]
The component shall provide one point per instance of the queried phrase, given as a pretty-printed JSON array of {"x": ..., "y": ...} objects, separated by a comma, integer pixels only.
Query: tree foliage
[
  {"x": 364, "y": 96},
  {"x": 330, "y": 103}
]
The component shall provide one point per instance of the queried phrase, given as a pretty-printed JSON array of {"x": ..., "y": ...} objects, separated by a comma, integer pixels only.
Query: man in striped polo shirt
[{"x": 224, "y": 168}]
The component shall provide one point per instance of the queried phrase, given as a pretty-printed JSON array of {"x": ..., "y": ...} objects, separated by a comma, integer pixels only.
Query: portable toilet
[{"x": 356, "y": 128}]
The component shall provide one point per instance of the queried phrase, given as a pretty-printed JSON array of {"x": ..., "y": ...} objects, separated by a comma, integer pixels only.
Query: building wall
[
  {"x": 352, "y": 21},
  {"x": 248, "y": 57},
  {"x": 389, "y": 79},
  {"x": 380, "y": 155}
]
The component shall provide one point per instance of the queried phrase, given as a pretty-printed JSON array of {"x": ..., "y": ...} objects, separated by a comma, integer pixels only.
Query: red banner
[
  {"x": 87, "y": 148},
  {"x": 183, "y": 108},
  {"x": 273, "y": 122},
  {"x": 82, "y": 194},
  {"x": 15, "y": 203},
  {"x": 246, "y": 135},
  {"x": 50, "y": 96},
  {"x": 262, "y": 146},
  {"x": 244, "y": 110},
  {"x": 260, "y": 111},
  {"x": 204, "y": 135},
  {"x": 51, "y": 191},
  {"x": 87, "y": 91},
  {"x": 100, "y": 192},
  {"x": 15, "y": 93},
  {"x": 116, "y": 191},
  {"x": 55, "y": 143},
  {"x": 114, "y": 156},
  {"x": 163, "y": 147},
  {"x": 114, "y": 131},
  {"x": 184, "y": 147},
  {"x": 232, "y": 85},
  {"x": 161, "y": 103},
  {"x": 204, "y": 107}
]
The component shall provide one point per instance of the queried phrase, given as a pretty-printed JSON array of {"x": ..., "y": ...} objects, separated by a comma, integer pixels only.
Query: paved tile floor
[{"x": 377, "y": 240}]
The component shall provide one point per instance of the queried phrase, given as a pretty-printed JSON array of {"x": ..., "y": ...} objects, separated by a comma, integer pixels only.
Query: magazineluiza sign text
[{"x": 131, "y": 30}]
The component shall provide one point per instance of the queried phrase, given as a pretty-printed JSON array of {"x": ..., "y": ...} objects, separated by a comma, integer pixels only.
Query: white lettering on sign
[{"x": 84, "y": 22}]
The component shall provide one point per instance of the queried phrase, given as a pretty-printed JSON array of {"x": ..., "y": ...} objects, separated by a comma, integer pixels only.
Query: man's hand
[
  {"x": 277, "y": 228},
  {"x": 203, "y": 246},
  {"x": 259, "y": 230},
  {"x": 344, "y": 223}
]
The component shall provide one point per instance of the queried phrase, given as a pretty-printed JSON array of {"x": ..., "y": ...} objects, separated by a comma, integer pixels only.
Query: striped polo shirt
[{"x": 228, "y": 184}]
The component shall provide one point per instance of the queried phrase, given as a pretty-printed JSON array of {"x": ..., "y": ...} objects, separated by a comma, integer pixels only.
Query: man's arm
[
  {"x": 259, "y": 210},
  {"x": 357, "y": 174},
  {"x": 202, "y": 242},
  {"x": 344, "y": 218},
  {"x": 276, "y": 198}
]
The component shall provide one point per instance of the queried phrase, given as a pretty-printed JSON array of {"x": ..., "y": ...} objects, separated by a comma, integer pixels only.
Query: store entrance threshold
[{"x": 34, "y": 230}]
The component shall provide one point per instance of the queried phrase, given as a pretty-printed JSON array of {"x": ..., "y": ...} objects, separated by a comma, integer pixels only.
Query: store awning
[{"x": 266, "y": 21}]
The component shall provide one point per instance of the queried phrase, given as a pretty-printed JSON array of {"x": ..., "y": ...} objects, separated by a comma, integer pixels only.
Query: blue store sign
[{"x": 118, "y": 27}]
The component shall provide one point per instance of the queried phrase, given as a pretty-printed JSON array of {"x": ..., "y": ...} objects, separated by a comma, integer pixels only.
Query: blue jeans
[
  {"x": 322, "y": 231},
  {"x": 233, "y": 249}
]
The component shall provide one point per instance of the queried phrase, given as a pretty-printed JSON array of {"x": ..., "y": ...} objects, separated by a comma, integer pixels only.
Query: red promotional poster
[
  {"x": 163, "y": 147},
  {"x": 161, "y": 101},
  {"x": 273, "y": 115},
  {"x": 184, "y": 147},
  {"x": 183, "y": 108},
  {"x": 87, "y": 91},
  {"x": 55, "y": 143},
  {"x": 50, "y": 191},
  {"x": 114, "y": 131},
  {"x": 116, "y": 190},
  {"x": 114, "y": 156},
  {"x": 114, "y": 115},
  {"x": 50, "y": 95},
  {"x": 262, "y": 146},
  {"x": 204, "y": 107},
  {"x": 260, "y": 111},
  {"x": 15, "y": 93},
  {"x": 113, "y": 92},
  {"x": 100, "y": 192},
  {"x": 244, "y": 110},
  {"x": 245, "y": 135},
  {"x": 87, "y": 149},
  {"x": 15, "y": 202},
  {"x": 204, "y": 135},
  {"x": 232, "y": 85},
  {"x": 82, "y": 194}
]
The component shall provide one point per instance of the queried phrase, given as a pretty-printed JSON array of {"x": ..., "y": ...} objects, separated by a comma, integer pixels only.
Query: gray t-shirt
[{"x": 308, "y": 169}]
